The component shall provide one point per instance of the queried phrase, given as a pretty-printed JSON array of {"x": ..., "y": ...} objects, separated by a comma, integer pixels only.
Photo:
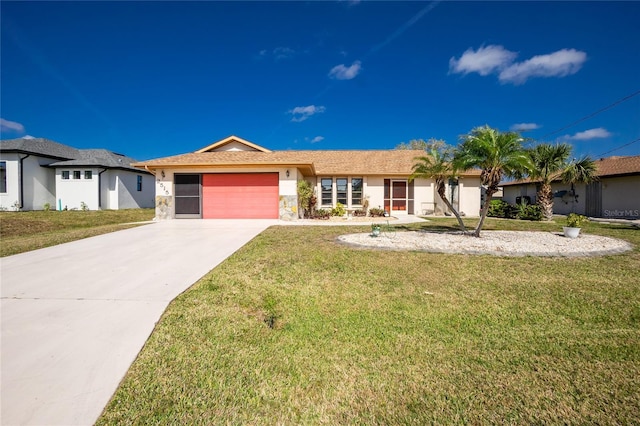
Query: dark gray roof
[
  {"x": 70, "y": 157},
  {"x": 39, "y": 146},
  {"x": 98, "y": 158}
]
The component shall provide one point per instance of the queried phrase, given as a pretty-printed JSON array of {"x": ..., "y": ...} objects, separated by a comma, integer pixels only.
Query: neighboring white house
[
  {"x": 616, "y": 193},
  {"x": 35, "y": 172},
  {"x": 234, "y": 178}
]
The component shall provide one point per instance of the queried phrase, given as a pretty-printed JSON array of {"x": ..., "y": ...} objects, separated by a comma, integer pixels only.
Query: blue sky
[{"x": 152, "y": 79}]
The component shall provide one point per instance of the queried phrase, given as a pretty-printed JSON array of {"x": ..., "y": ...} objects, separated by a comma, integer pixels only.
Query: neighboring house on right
[{"x": 616, "y": 193}]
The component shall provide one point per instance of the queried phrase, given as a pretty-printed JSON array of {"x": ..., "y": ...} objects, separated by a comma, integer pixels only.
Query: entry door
[{"x": 399, "y": 196}]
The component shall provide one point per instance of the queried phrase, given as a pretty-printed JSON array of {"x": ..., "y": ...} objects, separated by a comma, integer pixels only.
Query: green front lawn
[
  {"x": 25, "y": 231},
  {"x": 296, "y": 329}
]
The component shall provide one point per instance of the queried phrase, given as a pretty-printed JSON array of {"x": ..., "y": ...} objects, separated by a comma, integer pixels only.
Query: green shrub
[
  {"x": 374, "y": 212},
  {"x": 338, "y": 210},
  {"x": 46, "y": 207},
  {"x": 498, "y": 208},
  {"x": 528, "y": 212},
  {"x": 576, "y": 220},
  {"x": 321, "y": 214}
]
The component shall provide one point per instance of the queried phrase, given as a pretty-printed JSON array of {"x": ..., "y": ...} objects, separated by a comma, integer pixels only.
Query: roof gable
[{"x": 233, "y": 143}]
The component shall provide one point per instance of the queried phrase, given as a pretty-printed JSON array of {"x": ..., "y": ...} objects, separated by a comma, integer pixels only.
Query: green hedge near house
[{"x": 523, "y": 211}]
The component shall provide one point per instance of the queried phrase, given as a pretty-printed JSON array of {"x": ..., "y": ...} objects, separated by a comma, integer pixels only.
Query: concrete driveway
[{"x": 75, "y": 316}]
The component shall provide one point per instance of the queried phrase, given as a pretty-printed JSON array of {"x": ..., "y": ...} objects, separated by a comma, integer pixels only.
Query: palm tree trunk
[
  {"x": 545, "y": 200},
  {"x": 442, "y": 194},
  {"x": 483, "y": 214}
]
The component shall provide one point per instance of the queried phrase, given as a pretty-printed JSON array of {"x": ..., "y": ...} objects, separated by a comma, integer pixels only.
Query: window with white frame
[
  {"x": 356, "y": 191},
  {"x": 341, "y": 191},
  {"x": 326, "y": 197}
]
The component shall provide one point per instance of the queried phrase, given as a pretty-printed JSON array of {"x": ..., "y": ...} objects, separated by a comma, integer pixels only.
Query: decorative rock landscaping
[{"x": 497, "y": 243}]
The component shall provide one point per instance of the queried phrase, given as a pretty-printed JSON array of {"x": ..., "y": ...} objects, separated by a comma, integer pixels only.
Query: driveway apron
[{"x": 75, "y": 316}]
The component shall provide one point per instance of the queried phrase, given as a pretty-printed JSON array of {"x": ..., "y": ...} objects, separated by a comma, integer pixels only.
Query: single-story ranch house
[
  {"x": 235, "y": 178},
  {"x": 37, "y": 172},
  {"x": 616, "y": 193}
]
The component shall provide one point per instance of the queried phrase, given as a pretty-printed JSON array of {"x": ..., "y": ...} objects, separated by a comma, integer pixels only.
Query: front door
[{"x": 395, "y": 196}]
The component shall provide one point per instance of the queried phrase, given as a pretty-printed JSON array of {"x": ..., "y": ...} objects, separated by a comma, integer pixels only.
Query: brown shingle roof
[
  {"x": 389, "y": 162},
  {"x": 614, "y": 166},
  {"x": 606, "y": 167}
]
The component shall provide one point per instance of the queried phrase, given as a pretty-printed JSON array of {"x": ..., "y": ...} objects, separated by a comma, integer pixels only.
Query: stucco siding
[
  {"x": 39, "y": 183},
  {"x": 127, "y": 188},
  {"x": 71, "y": 193},
  {"x": 469, "y": 190},
  {"x": 621, "y": 196},
  {"x": 12, "y": 194}
]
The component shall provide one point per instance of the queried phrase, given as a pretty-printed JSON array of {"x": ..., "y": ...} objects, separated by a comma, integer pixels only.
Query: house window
[
  {"x": 76, "y": 174},
  {"x": 88, "y": 174},
  {"x": 65, "y": 174},
  {"x": 327, "y": 191},
  {"x": 356, "y": 191},
  {"x": 3, "y": 177},
  {"x": 139, "y": 183},
  {"x": 341, "y": 187}
]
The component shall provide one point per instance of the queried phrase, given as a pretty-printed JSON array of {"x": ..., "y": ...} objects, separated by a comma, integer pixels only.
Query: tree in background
[
  {"x": 497, "y": 154},
  {"x": 550, "y": 162},
  {"x": 422, "y": 145},
  {"x": 437, "y": 165}
]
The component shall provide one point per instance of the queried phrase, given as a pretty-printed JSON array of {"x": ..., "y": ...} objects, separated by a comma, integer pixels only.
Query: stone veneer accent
[
  {"x": 164, "y": 207},
  {"x": 288, "y": 207}
]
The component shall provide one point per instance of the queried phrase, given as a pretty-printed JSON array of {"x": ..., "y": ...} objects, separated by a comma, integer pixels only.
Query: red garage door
[{"x": 240, "y": 196}]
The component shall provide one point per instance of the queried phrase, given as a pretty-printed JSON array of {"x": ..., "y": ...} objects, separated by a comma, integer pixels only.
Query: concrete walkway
[{"x": 75, "y": 316}]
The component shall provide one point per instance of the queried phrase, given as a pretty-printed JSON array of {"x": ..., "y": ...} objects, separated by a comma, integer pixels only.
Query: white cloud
[
  {"x": 301, "y": 113},
  {"x": 496, "y": 59},
  {"x": 342, "y": 72},
  {"x": 557, "y": 64},
  {"x": 484, "y": 61},
  {"x": 317, "y": 139},
  {"x": 277, "y": 53},
  {"x": 597, "y": 133},
  {"x": 524, "y": 127},
  {"x": 11, "y": 126}
]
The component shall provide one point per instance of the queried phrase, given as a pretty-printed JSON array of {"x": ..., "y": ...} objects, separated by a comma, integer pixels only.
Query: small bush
[
  {"x": 374, "y": 212},
  {"x": 321, "y": 214},
  {"x": 576, "y": 220},
  {"x": 338, "y": 210},
  {"x": 46, "y": 207},
  {"x": 83, "y": 206},
  {"x": 498, "y": 208},
  {"x": 529, "y": 212},
  {"x": 360, "y": 213}
]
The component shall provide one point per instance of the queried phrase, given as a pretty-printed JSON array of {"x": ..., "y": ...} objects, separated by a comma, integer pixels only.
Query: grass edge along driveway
[
  {"x": 25, "y": 231},
  {"x": 294, "y": 328}
]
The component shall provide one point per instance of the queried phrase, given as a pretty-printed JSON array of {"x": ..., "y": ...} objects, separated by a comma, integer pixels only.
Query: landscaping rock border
[{"x": 496, "y": 243}]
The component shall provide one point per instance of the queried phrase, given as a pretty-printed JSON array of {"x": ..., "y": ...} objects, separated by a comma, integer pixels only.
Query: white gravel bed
[{"x": 498, "y": 243}]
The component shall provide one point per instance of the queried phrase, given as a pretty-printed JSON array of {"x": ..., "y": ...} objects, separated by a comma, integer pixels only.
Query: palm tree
[
  {"x": 550, "y": 163},
  {"x": 438, "y": 166},
  {"x": 583, "y": 170},
  {"x": 497, "y": 154}
]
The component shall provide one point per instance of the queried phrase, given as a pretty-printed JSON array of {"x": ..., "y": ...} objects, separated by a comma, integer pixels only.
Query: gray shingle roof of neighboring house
[
  {"x": 70, "y": 157},
  {"x": 39, "y": 146},
  {"x": 98, "y": 158}
]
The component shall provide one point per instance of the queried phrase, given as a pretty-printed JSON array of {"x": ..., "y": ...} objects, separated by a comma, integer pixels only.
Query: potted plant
[
  {"x": 375, "y": 229},
  {"x": 574, "y": 221}
]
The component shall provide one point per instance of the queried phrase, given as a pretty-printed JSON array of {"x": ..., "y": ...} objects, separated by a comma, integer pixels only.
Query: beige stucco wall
[
  {"x": 470, "y": 195},
  {"x": 621, "y": 196}
]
